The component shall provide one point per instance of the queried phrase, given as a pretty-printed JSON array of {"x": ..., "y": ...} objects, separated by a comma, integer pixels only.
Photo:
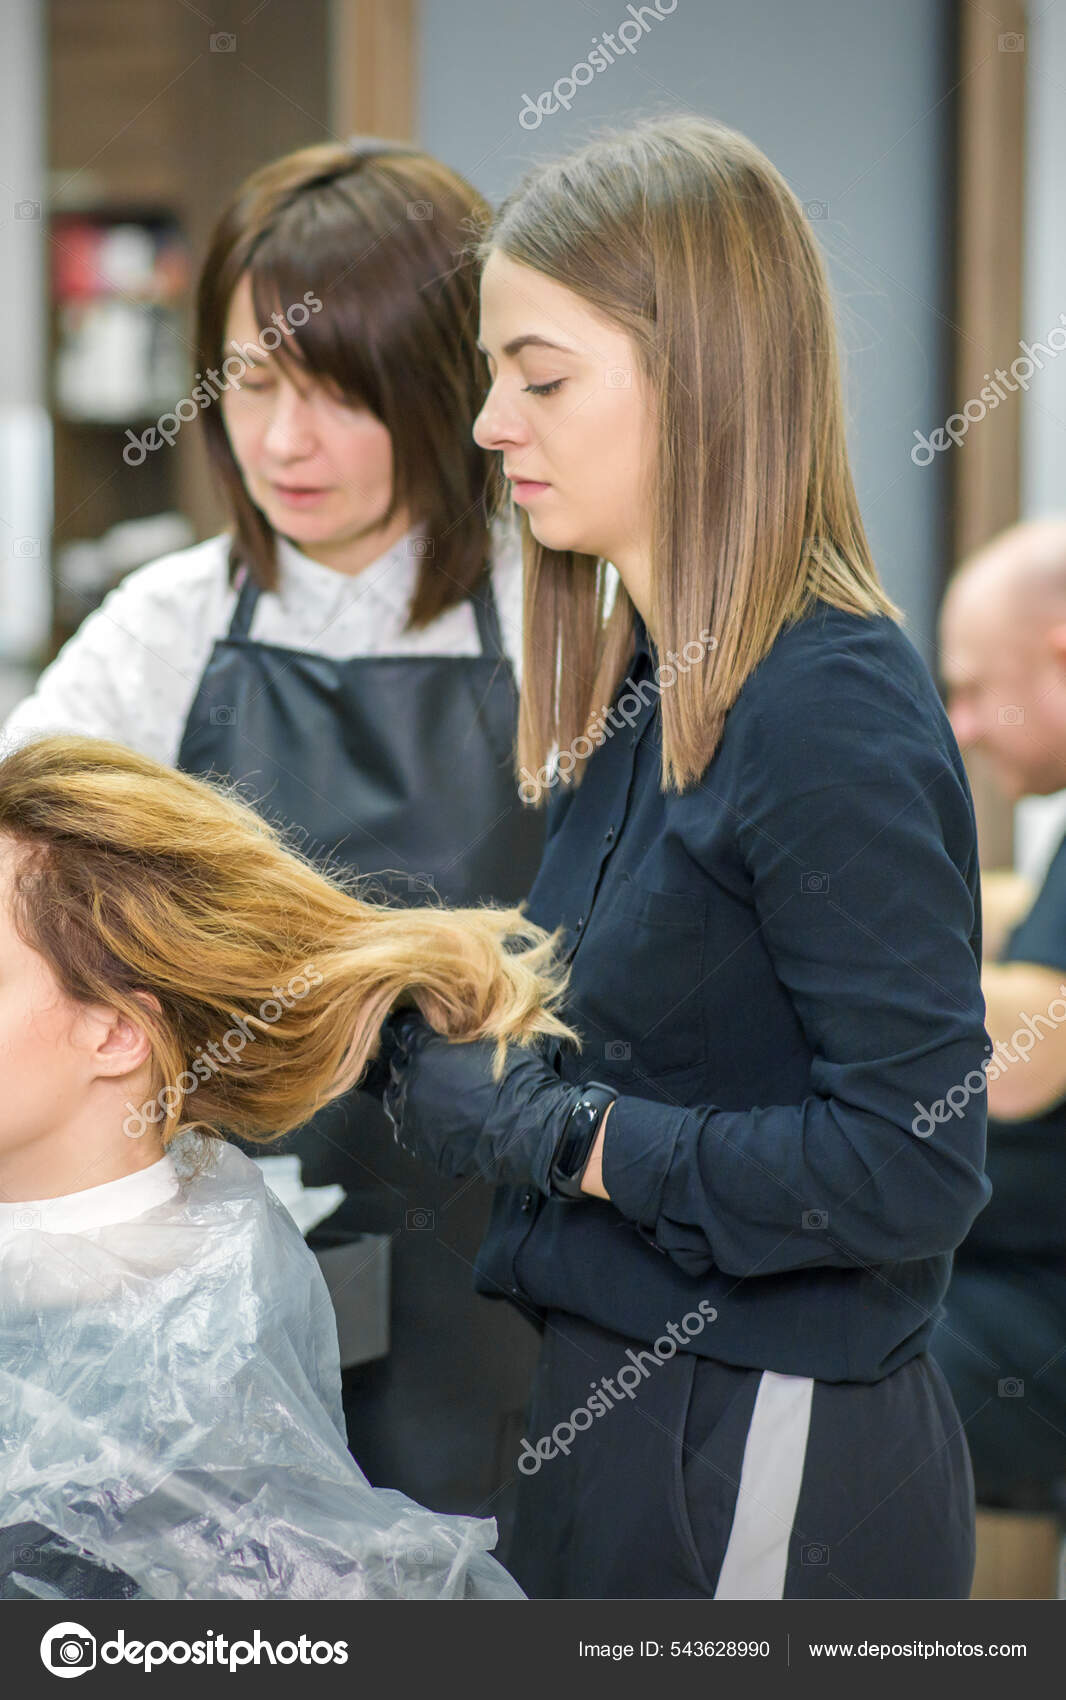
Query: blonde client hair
[{"x": 133, "y": 879}]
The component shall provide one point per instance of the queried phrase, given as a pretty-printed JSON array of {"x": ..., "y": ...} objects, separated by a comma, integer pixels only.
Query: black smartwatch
[{"x": 578, "y": 1137}]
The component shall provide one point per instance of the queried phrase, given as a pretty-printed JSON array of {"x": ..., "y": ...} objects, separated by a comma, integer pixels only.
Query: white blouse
[{"x": 132, "y": 669}]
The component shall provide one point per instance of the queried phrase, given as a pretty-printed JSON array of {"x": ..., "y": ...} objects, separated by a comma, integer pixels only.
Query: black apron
[{"x": 401, "y": 767}]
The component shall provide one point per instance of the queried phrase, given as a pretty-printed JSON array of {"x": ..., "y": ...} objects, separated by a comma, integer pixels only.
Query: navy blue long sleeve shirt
[{"x": 775, "y": 970}]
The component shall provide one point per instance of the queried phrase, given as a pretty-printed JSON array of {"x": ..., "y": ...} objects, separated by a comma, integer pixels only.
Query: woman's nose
[
  {"x": 496, "y": 425},
  {"x": 290, "y": 429}
]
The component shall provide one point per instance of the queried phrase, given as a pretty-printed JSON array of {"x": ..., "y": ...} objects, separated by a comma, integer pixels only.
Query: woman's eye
[{"x": 542, "y": 389}]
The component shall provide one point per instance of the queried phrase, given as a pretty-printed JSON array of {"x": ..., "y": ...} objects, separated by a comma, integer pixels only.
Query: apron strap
[
  {"x": 241, "y": 623},
  {"x": 487, "y": 616}
]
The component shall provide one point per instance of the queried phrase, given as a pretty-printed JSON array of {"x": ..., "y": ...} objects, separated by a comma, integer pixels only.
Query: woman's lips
[
  {"x": 523, "y": 489},
  {"x": 296, "y": 497}
]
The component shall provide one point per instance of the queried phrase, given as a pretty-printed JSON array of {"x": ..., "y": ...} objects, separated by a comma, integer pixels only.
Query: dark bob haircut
[{"x": 383, "y": 235}]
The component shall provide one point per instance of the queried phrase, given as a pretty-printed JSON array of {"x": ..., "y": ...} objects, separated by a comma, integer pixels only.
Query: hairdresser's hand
[
  {"x": 448, "y": 1111},
  {"x": 377, "y": 1076}
]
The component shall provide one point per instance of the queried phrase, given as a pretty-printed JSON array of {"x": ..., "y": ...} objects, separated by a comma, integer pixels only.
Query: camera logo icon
[
  {"x": 421, "y": 548},
  {"x": 420, "y": 1221},
  {"x": 223, "y": 714},
  {"x": 617, "y": 1050},
  {"x": 422, "y": 883},
  {"x": 816, "y": 1218},
  {"x": 68, "y": 1649},
  {"x": 814, "y": 880},
  {"x": 1011, "y": 1388}
]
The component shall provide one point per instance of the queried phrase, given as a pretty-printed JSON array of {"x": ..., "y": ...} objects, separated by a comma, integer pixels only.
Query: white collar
[
  {"x": 96, "y": 1206},
  {"x": 390, "y": 578}
]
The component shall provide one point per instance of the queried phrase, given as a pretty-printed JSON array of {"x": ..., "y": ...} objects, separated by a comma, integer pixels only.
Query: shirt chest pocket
[{"x": 638, "y": 980}]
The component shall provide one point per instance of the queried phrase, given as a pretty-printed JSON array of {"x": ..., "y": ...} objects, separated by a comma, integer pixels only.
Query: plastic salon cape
[{"x": 171, "y": 1416}]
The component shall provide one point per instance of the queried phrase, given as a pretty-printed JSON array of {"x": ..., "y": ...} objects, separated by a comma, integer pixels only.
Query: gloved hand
[
  {"x": 447, "y": 1110},
  {"x": 377, "y": 1076}
]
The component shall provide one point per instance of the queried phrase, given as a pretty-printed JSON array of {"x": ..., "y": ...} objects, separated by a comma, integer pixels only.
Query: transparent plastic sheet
[{"x": 172, "y": 1424}]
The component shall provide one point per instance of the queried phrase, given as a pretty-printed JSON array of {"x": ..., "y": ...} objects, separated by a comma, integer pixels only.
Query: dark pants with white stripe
[{"x": 713, "y": 1482}]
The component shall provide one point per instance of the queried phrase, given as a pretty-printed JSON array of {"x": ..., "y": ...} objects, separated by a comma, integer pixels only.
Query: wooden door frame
[
  {"x": 988, "y": 295},
  {"x": 373, "y": 70}
]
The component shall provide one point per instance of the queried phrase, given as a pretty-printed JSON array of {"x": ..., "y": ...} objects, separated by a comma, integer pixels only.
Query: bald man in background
[{"x": 1002, "y": 1344}]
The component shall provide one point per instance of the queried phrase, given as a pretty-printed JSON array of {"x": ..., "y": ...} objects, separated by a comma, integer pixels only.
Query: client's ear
[{"x": 114, "y": 1045}]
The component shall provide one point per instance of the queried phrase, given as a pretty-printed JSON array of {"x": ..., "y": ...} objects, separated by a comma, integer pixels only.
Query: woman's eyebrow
[{"x": 530, "y": 341}]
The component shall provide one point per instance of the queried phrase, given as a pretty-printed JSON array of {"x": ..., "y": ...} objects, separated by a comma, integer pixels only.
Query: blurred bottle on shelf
[{"x": 117, "y": 285}]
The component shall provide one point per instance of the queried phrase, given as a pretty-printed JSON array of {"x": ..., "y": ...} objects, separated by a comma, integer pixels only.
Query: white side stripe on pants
[{"x": 756, "y": 1557}]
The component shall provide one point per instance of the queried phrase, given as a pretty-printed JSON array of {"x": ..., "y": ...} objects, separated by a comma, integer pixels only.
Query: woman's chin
[{"x": 555, "y": 536}]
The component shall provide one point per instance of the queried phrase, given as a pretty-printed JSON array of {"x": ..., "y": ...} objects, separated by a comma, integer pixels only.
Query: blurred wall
[
  {"x": 1040, "y": 821},
  {"x": 25, "y": 442}
]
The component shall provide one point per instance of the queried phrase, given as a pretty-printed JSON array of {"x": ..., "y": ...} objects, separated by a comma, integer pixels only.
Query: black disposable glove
[
  {"x": 376, "y": 1079},
  {"x": 447, "y": 1109}
]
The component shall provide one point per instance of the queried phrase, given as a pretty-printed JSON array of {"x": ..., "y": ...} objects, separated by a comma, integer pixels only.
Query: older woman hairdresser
[{"x": 170, "y": 973}]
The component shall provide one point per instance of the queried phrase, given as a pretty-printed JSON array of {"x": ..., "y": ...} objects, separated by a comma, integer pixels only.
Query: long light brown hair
[
  {"x": 380, "y": 232},
  {"x": 681, "y": 232},
  {"x": 135, "y": 882}
]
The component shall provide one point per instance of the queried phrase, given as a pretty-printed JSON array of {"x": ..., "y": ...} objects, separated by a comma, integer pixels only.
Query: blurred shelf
[{"x": 153, "y": 124}]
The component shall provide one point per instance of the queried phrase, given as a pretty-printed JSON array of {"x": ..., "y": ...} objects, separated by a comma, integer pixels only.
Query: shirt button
[
  {"x": 527, "y": 1200},
  {"x": 579, "y": 923},
  {"x": 609, "y": 834}
]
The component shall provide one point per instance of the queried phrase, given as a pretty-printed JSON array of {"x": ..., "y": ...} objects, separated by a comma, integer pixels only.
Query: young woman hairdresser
[
  {"x": 339, "y": 652},
  {"x": 761, "y": 845}
]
